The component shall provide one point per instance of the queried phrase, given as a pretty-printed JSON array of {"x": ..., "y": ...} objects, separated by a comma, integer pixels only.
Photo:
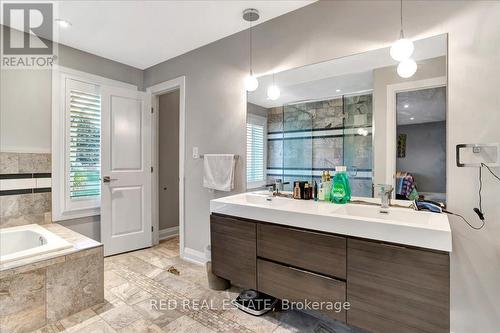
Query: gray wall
[
  {"x": 216, "y": 102},
  {"x": 168, "y": 138},
  {"x": 425, "y": 155},
  {"x": 26, "y": 108}
]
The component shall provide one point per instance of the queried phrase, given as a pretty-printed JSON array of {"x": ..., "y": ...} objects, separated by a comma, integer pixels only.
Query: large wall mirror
[{"x": 357, "y": 112}]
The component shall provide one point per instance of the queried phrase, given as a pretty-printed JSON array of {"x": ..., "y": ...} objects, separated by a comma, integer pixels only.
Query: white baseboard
[
  {"x": 194, "y": 256},
  {"x": 168, "y": 233}
]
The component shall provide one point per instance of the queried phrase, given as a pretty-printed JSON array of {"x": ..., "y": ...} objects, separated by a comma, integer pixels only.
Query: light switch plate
[{"x": 195, "y": 152}]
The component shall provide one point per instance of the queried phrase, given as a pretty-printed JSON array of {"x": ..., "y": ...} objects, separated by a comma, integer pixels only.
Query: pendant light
[
  {"x": 403, "y": 48},
  {"x": 273, "y": 91},
  {"x": 251, "y": 15},
  {"x": 407, "y": 68}
]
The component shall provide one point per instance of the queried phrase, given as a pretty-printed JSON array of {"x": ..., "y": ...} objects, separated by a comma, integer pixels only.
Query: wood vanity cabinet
[
  {"x": 390, "y": 288},
  {"x": 394, "y": 288},
  {"x": 233, "y": 250}
]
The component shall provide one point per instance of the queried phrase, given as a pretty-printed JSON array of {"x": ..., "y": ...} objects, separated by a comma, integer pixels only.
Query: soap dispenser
[{"x": 341, "y": 190}]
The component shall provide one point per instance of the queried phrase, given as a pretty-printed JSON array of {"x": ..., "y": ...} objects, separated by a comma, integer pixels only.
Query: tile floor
[{"x": 142, "y": 295}]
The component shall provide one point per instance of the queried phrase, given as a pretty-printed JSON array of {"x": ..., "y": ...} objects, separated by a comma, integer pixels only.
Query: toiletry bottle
[
  {"x": 328, "y": 187},
  {"x": 296, "y": 191},
  {"x": 315, "y": 191},
  {"x": 341, "y": 190},
  {"x": 321, "y": 192},
  {"x": 306, "y": 191}
]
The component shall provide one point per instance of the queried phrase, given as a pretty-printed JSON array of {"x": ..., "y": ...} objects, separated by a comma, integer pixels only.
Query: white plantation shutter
[
  {"x": 256, "y": 151},
  {"x": 84, "y": 144}
]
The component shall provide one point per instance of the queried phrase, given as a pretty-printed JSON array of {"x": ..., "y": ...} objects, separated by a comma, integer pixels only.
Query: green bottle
[{"x": 341, "y": 190}]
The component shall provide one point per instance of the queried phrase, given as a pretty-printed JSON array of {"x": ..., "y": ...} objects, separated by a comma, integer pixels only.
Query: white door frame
[
  {"x": 391, "y": 130},
  {"x": 155, "y": 91}
]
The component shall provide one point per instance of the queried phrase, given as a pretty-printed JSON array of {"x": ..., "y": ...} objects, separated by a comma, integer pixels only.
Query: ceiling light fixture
[
  {"x": 412, "y": 118},
  {"x": 273, "y": 91},
  {"x": 407, "y": 68},
  {"x": 251, "y": 15},
  {"x": 403, "y": 48},
  {"x": 406, "y": 106},
  {"x": 63, "y": 23},
  {"x": 338, "y": 90}
]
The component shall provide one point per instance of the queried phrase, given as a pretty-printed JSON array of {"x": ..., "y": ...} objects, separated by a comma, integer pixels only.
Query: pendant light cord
[
  {"x": 401, "y": 18},
  {"x": 251, "y": 49}
]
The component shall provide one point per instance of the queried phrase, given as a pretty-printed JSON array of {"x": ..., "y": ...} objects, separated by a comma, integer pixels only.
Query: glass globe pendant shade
[
  {"x": 273, "y": 92},
  {"x": 251, "y": 83},
  {"x": 402, "y": 49},
  {"x": 407, "y": 68}
]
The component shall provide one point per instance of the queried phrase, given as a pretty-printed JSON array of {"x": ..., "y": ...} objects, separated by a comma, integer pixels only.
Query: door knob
[{"x": 107, "y": 179}]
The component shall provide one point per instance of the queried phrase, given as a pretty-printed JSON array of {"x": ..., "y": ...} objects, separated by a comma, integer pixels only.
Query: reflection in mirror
[
  {"x": 421, "y": 150},
  {"x": 337, "y": 113}
]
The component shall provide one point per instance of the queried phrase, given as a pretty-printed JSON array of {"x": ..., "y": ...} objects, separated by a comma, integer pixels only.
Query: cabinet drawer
[
  {"x": 294, "y": 284},
  {"x": 233, "y": 250},
  {"x": 313, "y": 251},
  {"x": 397, "y": 289}
]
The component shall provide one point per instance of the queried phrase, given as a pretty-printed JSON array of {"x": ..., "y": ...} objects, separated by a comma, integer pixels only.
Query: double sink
[{"x": 399, "y": 225}]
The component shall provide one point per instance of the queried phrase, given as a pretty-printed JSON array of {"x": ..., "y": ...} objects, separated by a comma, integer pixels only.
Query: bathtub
[{"x": 28, "y": 241}]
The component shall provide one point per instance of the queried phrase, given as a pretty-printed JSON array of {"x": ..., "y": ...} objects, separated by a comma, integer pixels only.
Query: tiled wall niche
[{"x": 25, "y": 189}]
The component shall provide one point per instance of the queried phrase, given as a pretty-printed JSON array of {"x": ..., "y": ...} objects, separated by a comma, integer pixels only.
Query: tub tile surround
[
  {"x": 38, "y": 291},
  {"x": 133, "y": 280},
  {"x": 25, "y": 197}
]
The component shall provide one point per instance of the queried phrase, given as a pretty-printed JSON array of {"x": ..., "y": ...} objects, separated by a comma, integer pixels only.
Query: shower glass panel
[
  {"x": 297, "y": 143},
  {"x": 307, "y": 138},
  {"x": 358, "y": 144}
]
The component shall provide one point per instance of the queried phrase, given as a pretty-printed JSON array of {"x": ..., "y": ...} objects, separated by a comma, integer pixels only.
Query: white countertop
[{"x": 401, "y": 225}]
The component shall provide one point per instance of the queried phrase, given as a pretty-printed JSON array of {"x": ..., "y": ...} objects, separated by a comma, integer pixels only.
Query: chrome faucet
[
  {"x": 274, "y": 189},
  {"x": 385, "y": 197}
]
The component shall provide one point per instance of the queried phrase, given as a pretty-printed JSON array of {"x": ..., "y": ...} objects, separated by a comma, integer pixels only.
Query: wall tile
[
  {"x": 75, "y": 285},
  {"x": 9, "y": 162},
  {"x": 9, "y": 205},
  {"x": 22, "y": 302}
]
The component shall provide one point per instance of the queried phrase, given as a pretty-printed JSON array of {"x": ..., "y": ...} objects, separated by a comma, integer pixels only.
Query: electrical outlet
[{"x": 195, "y": 153}]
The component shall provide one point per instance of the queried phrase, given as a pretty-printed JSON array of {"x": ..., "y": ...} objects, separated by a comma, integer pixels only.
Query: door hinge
[
  {"x": 152, "y": 110},
  {"x": 151, "y": 169},
  {"x": 152, "y": 228}
]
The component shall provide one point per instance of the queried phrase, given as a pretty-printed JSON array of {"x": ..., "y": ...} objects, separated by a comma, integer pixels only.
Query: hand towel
[{"x": 218, "y": 171}]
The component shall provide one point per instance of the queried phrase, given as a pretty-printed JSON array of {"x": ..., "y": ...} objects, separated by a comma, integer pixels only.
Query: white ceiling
[
  {"x": 145, "y": 33},
  {"x": 349, "y": 74}
]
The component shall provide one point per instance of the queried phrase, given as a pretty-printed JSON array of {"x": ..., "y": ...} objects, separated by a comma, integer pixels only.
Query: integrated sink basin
[{"x": 399, "y": 225}]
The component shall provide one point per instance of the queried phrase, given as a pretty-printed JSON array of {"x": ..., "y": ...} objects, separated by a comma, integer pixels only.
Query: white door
[{"x": 125, "y": 170}]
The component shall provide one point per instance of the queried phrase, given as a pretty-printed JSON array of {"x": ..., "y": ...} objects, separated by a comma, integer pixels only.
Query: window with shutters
[
  {"x": 77, "y": 109},
  {"x": 256, "y": 151},
  {"x": 84, "y": 143}
]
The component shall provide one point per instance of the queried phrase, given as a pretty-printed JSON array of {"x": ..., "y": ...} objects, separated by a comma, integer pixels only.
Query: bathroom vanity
[{"x": 393, "y": 269}]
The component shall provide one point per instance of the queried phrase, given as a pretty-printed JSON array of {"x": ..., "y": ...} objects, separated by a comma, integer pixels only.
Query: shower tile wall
[
  {"x": 25, "y": 191},
  {"x": 306, "y": 138}
]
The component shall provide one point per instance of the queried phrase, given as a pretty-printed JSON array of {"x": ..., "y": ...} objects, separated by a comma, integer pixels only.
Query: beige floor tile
[
  {"x": 111, "y": 280},
  {"x": 77, "y": 318},
  {"x": 158, "y": 313},
  {"x": 99, "y": 326},
  {"x": 130, "y": 293},
  {"x": 121, "y": 316},
  {"x": 141, "y": 326},
  {"x": 185, "y": 324}
]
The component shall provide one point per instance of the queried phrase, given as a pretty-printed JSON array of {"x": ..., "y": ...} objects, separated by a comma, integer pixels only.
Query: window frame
[
  {"x": 259, "y": 121},
  {"x": 64, "y": 207}
]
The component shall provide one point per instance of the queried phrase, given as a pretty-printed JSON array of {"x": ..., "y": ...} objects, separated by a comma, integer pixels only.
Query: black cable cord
[
  {"x": 479, "y": 211},
  {"x": 463, "y": 218}
]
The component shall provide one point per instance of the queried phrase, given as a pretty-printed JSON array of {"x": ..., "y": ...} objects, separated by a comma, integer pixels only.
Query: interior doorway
[
  {"x": 168, "y": 147},
  {"x": 168, "y": 164}
]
